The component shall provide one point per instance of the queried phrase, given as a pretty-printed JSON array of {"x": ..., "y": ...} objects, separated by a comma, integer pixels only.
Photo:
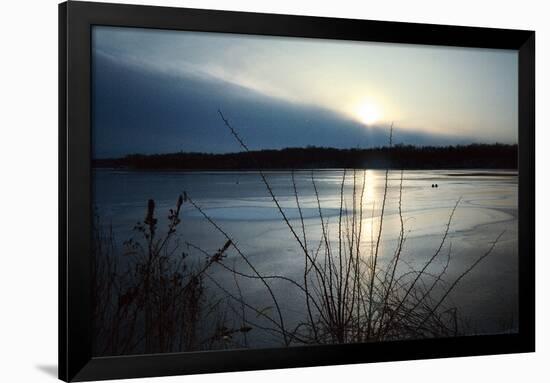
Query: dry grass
[{"x": 152, "y": 299}]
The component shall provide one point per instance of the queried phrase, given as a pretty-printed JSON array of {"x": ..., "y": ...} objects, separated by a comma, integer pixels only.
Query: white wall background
[{"x": 28, "y": 188}]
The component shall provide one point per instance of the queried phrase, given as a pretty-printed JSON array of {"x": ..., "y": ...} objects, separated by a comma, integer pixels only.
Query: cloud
[{"x": 142, "y": 108}]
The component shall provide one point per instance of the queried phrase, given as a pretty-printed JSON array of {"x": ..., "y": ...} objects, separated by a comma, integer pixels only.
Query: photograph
[{"x": 256, "y": 192}]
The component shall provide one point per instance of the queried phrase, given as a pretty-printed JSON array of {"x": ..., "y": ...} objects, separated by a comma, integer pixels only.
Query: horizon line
[{"x": 311, "y": 147}]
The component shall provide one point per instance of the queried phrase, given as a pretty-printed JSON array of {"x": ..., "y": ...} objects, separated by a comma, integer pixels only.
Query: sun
[{"x": 368, "y": 113}]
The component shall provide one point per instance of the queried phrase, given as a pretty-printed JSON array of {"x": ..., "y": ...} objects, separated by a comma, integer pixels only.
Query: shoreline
[{"x": 474, "y": 171}]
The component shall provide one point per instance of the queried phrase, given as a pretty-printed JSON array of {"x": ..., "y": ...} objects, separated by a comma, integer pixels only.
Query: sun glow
[{"x": 368, "y": 113}]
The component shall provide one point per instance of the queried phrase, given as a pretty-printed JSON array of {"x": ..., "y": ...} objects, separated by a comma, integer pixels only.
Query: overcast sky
[{"x": 159, "y": 91}]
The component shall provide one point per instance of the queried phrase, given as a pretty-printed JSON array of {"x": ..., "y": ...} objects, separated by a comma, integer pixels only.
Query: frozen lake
[{"x": 240, "y": 204}]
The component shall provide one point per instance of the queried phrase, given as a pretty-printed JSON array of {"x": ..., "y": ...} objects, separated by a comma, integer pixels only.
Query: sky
[{"x": 158, "y": 91}]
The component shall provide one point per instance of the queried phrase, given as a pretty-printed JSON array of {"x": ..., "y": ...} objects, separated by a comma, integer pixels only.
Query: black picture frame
[{"x": 75, "y": 215}]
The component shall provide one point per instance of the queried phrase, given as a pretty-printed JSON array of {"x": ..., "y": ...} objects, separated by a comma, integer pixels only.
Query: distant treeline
[{"x": 494, "y": 156}]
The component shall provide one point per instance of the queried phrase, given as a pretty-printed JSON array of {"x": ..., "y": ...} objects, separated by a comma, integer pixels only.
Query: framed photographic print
[{"x": 248, "y": 191}]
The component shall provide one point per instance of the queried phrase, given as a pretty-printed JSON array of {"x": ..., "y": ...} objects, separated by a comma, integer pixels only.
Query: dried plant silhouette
[
  {"x": 153, "y": 299},
  {"x": 158, "y": 298}
]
